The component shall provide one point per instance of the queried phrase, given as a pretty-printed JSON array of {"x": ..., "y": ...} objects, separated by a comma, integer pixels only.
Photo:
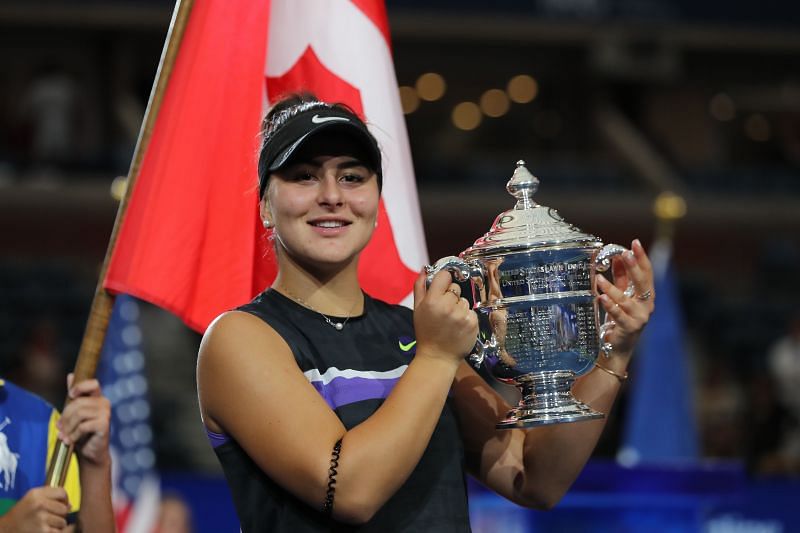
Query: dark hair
[{"x": 289, "y": 107}]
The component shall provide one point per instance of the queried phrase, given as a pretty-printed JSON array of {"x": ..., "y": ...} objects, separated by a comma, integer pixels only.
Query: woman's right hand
[{"x": 444, "y": 324}]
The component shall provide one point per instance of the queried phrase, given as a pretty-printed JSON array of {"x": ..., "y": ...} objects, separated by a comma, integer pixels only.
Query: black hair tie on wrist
[{"x": 327, "y": 506}]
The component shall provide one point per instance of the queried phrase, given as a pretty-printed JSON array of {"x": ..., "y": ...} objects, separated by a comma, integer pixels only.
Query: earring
[{"x": 267, "y": 224}]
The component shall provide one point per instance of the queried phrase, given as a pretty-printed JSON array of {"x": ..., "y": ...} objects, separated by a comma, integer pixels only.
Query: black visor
[{"x": 287, "y": 139}]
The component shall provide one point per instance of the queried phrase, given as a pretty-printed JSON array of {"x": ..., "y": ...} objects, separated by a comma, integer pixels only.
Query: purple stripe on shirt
[
  {"x": 337, "y": 392},
  {"x": 216, "y": 439},
  {"x": 342, "y": 391}
]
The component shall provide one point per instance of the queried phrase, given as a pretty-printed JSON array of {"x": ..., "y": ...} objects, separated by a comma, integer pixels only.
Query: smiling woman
[
  {"x": 319, "y": 181},
  {"x": 322, "y": 206},
  {"x": 330, "y": 410}
]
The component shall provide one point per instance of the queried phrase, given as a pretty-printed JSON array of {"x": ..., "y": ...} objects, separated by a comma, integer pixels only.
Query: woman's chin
[{"x": 324, "y": 261}]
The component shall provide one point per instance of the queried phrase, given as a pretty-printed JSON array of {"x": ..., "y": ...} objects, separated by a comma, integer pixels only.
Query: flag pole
[{"x": 103, "y": 301}]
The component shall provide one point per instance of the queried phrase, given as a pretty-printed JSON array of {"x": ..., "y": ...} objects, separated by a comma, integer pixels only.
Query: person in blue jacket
[{"x": 29, "y": 430}]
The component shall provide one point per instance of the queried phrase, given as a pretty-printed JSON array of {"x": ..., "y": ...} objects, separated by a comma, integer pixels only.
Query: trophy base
[{"x": 547, "y": 399}]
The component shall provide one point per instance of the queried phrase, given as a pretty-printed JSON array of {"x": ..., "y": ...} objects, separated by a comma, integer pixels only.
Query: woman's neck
[{"x": 337, "y": 293}]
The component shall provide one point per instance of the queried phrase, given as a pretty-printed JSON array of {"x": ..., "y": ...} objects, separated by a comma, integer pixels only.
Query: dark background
[{"x": 634, "y": 98}]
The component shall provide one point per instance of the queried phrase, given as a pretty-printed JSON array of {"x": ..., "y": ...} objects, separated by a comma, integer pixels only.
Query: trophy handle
[
  {"x": 482, "y": 350},
  {"x": 603, "y": 260},
  {"x": 460, "y": 269},
  {"x": 464, "y": 271},
  {"x": 602, "y": 263}
]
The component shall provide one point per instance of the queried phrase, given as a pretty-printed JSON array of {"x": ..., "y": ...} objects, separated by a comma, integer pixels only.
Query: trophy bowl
[{"x": 533, "y": 279}]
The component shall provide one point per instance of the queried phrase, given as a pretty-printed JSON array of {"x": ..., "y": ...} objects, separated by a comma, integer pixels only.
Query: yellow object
[
  {"x": 431, "y": 86},
  {"x": 73, "y": 483},
  {"x": 669, "y": 206},
  {"x": 494, "y": 103},
  {"x": 409, "y": 99},
  {"x": 522, "y": 89},
  {"x": 466, "y": 116}
]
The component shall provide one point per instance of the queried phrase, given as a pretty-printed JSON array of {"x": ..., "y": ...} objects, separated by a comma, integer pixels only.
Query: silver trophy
[{"x": 533, "y": 286}]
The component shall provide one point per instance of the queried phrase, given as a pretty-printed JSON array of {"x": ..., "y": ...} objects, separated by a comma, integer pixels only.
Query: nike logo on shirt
[{"x": 406, "y": 347}]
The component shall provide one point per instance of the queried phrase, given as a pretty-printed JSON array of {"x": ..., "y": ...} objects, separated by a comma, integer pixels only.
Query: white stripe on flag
[
  {"x": 357, "y": 53},
  {"x": 145, "y": 506}
]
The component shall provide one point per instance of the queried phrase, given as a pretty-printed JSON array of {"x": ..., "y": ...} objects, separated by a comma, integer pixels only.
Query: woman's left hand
[{"x": 629, "y": 309}]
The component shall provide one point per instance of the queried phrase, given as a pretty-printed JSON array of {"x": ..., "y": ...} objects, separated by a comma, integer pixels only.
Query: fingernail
[
  {"x": 629, "y": 258},
  {"x": 637, "y": 242},
  {"x": 605, "y": 299}
]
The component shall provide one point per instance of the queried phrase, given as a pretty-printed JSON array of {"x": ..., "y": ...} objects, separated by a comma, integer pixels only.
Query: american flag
[{"x": 136, "y": 485}]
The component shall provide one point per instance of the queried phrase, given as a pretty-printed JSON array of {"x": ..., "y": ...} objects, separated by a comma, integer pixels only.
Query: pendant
[{"x": 338, "y": 326}]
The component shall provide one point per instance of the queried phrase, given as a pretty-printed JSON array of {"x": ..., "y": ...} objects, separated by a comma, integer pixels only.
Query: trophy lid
[{"x": 528, "y": 225}]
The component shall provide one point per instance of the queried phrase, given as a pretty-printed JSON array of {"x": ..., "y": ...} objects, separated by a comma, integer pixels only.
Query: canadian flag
[{"x": 191, "y": 241}]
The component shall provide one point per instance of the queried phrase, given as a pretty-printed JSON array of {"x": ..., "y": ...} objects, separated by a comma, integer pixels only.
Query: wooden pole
[{"x": 97, "y": 323}]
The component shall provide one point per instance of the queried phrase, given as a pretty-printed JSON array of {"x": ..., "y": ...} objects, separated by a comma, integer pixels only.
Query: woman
[{"x": 323, "y": 411}]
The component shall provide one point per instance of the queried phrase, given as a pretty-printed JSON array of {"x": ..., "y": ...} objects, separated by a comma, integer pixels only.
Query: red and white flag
[{"x": 191, "y": 241}]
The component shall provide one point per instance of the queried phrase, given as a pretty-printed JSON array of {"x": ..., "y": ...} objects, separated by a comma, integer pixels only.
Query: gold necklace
[{"x": 338, "y": 326}]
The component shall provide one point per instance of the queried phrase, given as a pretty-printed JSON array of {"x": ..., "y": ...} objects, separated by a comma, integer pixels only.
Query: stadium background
[{"x": 620, "y": 100}]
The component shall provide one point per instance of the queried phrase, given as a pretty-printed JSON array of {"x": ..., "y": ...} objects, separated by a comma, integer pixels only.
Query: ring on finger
[
  {"x": 645, "y": 295},
  {"x": 630, "y": 290},
  {"x": 607, "y": 348}
]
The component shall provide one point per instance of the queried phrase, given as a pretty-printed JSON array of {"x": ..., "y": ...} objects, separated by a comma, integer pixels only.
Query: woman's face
[{"x": 323, "y": 205}]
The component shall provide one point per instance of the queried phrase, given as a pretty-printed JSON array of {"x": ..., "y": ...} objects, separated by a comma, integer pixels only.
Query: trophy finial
[{"x": 522, "y": 186}]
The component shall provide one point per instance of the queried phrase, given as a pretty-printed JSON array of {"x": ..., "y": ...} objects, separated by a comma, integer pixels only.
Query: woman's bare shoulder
[
  {"x": 236, "y": 347},
  {"x": 239, "y": 331}
]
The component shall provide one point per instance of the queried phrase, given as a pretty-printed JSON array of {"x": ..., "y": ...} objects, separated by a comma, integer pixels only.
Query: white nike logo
[{"x": 316, "y": 119}]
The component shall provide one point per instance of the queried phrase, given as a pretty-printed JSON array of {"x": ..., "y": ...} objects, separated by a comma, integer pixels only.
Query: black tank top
[{"x": 354, "y": 369}]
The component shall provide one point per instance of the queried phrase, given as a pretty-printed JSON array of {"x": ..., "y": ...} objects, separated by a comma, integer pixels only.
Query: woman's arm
[
  {"x": 535, "y": 467},
  {"x": 251, "y": 387}
]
